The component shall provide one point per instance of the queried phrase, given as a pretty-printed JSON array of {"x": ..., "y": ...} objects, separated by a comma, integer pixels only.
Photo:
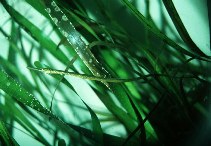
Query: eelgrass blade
[
  {"x": 13, "y": 88},
  {"x": 37, "y": 33},
  {"x": 151, "y": 27},
  {"x": 18, "y": 115},
  {"x": 141, "y": 124},
  {"x": 5, "y": 137},
  {"x": 97, "y": 129},
  {"x": 180, "y": 26}
]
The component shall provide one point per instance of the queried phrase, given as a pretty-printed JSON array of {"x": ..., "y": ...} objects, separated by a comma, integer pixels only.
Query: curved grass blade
[
  {"x": 141, "y": 125},
  {"x": 151, "y": 27},
  {"x": 142, "y": 137},
  {"x": 108, "y": 139},
  {"x": 61, "y": 78},
  {"x": 97, "y": 130},
  {"x": 180, "y": 26},
  {"x": 5, "y": 137}
]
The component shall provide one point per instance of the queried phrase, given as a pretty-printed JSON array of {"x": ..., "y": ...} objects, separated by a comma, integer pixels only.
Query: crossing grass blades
[{"x": 155, "y": 89}]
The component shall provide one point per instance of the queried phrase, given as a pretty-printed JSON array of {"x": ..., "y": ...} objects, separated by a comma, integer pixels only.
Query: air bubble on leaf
[
  {"x": 8, "y": 84},
  {"x": 65, "y": 33},
  {"x": 57, "y": 8},
  {"x": 53, "y": 3},
  {"x": 64, "y": 18},
  {"x": 55, "y": 20},
  {"x": 72, "y": 25},
  {"x": 90, "y": 60},
  {"x": 48, "y": 10}
]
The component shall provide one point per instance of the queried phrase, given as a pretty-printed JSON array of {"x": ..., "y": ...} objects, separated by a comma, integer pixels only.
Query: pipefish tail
[{"x": 76, "y": 40}]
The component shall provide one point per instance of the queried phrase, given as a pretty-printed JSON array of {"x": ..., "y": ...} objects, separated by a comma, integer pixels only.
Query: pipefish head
[{"x": 45, "y": 70}]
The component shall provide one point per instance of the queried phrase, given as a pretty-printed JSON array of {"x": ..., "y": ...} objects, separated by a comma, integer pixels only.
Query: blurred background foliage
[{"x": 168, "y": 105}]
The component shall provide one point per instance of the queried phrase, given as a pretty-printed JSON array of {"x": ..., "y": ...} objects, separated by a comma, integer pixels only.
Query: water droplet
[
  {"x": 64, "y": 18},
  {"x": 90, "y": 60},
  {"x": 72, "y": 25},
  {"x": 48, "y": 10},
  {"x": 8, "y": 84},
  {"x": 53, "y": 3},
  {"x": 55, "y": 20},
  {"x": 65, "y": 33},
  {"x": 57, "y": 8}
]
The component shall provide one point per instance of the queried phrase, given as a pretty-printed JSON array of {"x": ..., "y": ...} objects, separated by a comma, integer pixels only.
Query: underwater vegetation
[{"x": 103, "y": 72}]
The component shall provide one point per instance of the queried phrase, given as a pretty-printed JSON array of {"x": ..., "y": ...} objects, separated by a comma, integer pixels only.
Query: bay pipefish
[
  {"x": 95, "y": 78},
  {"x": 84, "y": 76}
]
